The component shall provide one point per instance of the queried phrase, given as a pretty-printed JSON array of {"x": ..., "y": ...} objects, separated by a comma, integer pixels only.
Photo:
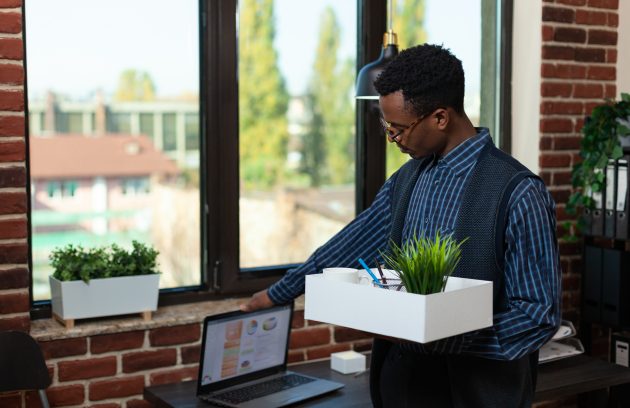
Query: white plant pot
[{"x": 104, "y": 297}]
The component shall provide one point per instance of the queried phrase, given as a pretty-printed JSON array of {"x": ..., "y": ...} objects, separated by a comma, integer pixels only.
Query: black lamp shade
[{"x": 369, "y": 73}]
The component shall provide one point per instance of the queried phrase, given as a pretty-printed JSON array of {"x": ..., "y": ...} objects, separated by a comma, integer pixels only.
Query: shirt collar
[{"x": 465, "y": 155}]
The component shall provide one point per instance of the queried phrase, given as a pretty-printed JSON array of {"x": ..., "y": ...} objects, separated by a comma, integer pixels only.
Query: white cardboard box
[
  {"x": 465, "y": 305},
  {"x": 347, "y": 362}
]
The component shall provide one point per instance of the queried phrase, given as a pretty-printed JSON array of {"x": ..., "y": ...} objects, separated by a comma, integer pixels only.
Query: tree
[
  {"x": 408, "y": 23},
  {"x": 263, "y": 98},
  {"x": 134, "y": 85},
  {"x": 328, "y": 148}
]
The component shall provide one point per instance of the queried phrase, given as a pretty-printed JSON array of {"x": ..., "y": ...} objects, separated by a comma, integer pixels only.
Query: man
[{"x": 459, "y": 184}]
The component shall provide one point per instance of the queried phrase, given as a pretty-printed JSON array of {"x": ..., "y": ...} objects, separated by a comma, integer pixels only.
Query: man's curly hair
[{"x": 429, "y": 76}]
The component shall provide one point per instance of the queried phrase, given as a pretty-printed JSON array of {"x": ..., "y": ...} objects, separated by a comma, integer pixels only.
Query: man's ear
[{"x": 442, "y": 118}]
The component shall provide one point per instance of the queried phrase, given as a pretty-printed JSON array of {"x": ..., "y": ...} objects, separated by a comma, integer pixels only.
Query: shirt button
[
  {"x": 436, "y": 182},
  {"x": 426, "y": 220}
]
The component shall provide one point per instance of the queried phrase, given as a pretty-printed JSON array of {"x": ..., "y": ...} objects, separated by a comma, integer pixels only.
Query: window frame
[{"x": 221, "y": 274}]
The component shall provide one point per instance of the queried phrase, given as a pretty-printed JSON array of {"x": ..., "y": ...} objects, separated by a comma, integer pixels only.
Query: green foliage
[
  {"x": 408, "y": 22},
  {"x": 328, "y": 146},
  {"x": 135, "y": 85},
  {"x": 423, "y": 264},
  {"x": 600, "y": 143},
  {"x": 76, "y": 263},
  {"x": 263, "y": 98}
]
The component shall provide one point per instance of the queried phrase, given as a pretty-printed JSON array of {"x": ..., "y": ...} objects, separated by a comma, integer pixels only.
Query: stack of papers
[{"x": 561, "y": 345}]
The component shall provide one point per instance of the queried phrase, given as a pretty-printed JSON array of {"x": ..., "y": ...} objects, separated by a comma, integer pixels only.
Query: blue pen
[{"x": 367, "y": 268}]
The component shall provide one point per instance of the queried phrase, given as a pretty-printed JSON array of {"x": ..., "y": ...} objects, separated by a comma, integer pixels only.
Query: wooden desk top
[{"x": 570, "y": 376}]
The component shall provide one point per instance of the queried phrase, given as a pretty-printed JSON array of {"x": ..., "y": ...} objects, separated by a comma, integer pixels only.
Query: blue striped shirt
[{"x": 532, "y": 270}]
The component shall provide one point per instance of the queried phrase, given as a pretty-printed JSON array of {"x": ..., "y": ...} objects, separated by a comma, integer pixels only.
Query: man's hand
[{"x": 260, "y": 300}]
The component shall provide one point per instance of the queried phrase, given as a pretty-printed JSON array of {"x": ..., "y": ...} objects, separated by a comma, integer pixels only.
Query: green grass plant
[{"x": 424, "y": 264}]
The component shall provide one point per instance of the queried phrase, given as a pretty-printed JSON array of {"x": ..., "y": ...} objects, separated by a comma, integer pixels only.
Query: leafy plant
[
  {"x": 600, "y": 143},
  {"x": 76, "y": 263},
  {"x": 423, "y": 264}
]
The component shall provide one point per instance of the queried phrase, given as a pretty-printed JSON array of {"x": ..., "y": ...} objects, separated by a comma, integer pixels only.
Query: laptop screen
[{"x": 237, "y": 344}]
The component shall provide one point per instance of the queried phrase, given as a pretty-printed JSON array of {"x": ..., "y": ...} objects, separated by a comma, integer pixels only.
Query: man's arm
[{"x": 362, "y": 238}]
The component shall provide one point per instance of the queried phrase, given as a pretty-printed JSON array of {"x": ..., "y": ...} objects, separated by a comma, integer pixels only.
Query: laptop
[{"x": 244, "y": 360}]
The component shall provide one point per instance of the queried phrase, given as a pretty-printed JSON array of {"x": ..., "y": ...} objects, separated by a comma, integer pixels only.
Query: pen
[
  {"x": 367, "y": 268},
  {"x": 380, "y": 271}
]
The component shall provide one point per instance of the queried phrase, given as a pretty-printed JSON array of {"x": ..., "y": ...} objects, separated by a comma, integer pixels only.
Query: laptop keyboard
[{"x": 261, "y": 389}]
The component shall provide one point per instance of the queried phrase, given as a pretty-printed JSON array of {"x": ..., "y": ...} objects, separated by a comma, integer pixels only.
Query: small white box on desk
[
  {"x": 347, "y": 362},
  {"x": 465, "y": 305}
]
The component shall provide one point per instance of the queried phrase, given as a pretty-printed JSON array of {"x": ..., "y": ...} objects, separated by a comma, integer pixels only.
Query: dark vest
[{"x": 475, "y": 382}]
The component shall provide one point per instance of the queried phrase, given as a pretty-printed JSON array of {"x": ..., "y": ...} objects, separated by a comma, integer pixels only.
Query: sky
[{"x": 78, "y": 52}]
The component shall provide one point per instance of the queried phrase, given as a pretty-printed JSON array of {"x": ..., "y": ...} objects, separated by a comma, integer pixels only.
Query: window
[
  {"x": 234, "y": 146},
  {"x": 61, "y": 189}
]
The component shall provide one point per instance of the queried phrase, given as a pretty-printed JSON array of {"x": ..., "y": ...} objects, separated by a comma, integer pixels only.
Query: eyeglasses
[{"x": 394, "y": 133}]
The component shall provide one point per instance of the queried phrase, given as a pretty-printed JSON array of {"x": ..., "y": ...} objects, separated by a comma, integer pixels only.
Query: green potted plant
[
  {"x": 424, "y": 264},
  {"x": 605, "y": 132},
  {"x": 103, "y": 281}
]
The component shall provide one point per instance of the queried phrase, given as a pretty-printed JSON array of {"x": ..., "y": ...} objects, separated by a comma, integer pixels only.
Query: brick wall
[{"x": 579, "y": 56}]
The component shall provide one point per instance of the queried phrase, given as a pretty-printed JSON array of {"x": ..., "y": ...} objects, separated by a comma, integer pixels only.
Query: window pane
[
  {"x": 432, "y": 21},
  {"x": 117, "y": 92},
  {"x": 296, "y": 112}
]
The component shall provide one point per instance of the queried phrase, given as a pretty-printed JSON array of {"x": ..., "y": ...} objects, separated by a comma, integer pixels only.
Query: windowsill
[{"x": 50, "y": 329}]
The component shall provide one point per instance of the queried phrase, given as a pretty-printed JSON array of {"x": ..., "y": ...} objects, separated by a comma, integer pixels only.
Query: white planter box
[
  {"x": 104, "y": 297},
  {"x": 464, "y": 306}
]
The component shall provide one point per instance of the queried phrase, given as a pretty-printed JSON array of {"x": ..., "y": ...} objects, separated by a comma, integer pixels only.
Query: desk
[{"x": 558, "y": 379}]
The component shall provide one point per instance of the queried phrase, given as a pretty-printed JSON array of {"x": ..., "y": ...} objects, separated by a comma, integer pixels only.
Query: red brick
[
  {"x": 12, "y": 125},
  {"x": 145, "y": 360},
  {"x": 64, "y": 347},
  {"x": 546, "y": 177},
  {"x": 562, "y": 15},
  {"x": 588, "y": 91},
  {"x": 66, "y": 395},
  {"x": 563, "y": 71},
  {"x": 570, "y": 283},
  {"x": 563, "y": 108},
  {"x": 11, "y": 74},
  {"x": 556, "y": 52},
  {"x": 610, "y": 91},
  {"x": 572, "y": 2},
  {"x": 309, "y": 337},
  {"x": 190, "y": 354},
  {"x": 590, "y": 54},
  {"x": 298, "y": 319},
  {"x": 325, "y": 351},
  {"x": 613, "y": 19},
  {"x": 556, "y": 125},
  {"x": 14, "y": 303},
  {"x": 116, "y": 388},
  {"x": 116, "y": 342},
  {"x": 560, "y": 196},
  {"x": 167, "y": 336},
  {"x": 14, "y": 278},
  {"x": 568, "y": 34},
  {"x": 13, "y": 254},
  {"x": 295, "y": 356},
  {"x": 590, "y": 17},
  {"x": 19, "y": 323},
  {"x": 12, "y": 100},
  {"x": 139, "y": 403},
  {"x": 12, "y": 203},
  {"x": 609, "y": 4},
  {"x": 310, "y": 323},
  {"x": 109, "y": 405},
  {"x": 604, "y": 73},
  {"x": 12, "y": 152},
  {"x": 13, "y": 229},
  {"x": 343, "y": 334},
  {"x": 83, "y": 369},
  {"x": 11, "y": 400},
  {"x": 11, "y": 48},
  {"x": 362, "y": 346},
  {"x": 589, "y": 106},
  {"x": 602, "y": 37},
  {"x": 174, "y": 376},
  {"x": 562, "y": 178},
  {"x": 547, "y": 33},
  {"x": 554, "y": 160},
  {"x": 555, "y": 89},
  {"x": 567, "y": 143},
  {"x": 611, "y": 55},
  {"x": 10, "y": 3},
  {"x": 12, "y": 177},
  {"x": 569, "y": 248},
  {"x": 544, "y": 143},
  {"x": 10, "y": 23}
]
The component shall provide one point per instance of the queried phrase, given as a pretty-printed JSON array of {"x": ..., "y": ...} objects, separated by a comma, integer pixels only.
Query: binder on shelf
[
  {"x": 615, "y": 287},
  {"x": 597, "y": 215},
  {"x": 623, "y": 198},
  {"x": 610, "y": 201},
  {"x": 592, "y": 287},
  {"x": 587, "y": 216}
]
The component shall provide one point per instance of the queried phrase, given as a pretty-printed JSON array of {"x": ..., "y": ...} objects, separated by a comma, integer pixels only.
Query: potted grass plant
[
  {"x": 424, "y": 264},
  {"x": 103, "y": 281}
]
